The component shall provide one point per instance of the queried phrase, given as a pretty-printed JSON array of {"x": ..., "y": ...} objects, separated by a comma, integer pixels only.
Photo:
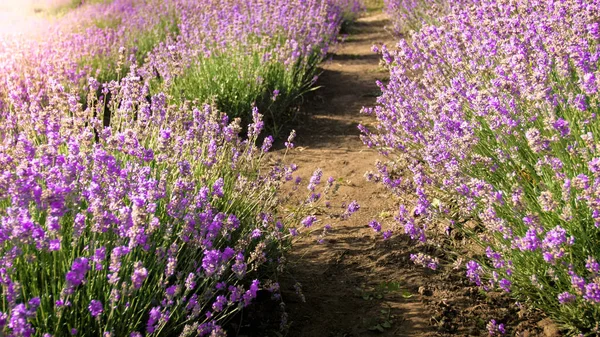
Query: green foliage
[{"x": 237, "y": 79}]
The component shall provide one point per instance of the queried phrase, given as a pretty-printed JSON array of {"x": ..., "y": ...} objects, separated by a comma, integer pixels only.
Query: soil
[{"x": 355, "y": 283}]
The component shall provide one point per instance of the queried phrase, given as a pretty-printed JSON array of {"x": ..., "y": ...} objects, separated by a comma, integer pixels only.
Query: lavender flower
[
  {"x": 566, "y": 297},
  {"x": 425, "y": 260},
  {"x": 139, "y": 275},
  {"x": 76, "y": 275},
  {"x": 376, "y": 226},
  {"x": 95, "y": 308},
  {"x": 309, "y": 221}
]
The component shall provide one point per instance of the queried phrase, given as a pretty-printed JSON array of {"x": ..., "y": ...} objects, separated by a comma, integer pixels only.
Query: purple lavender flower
[
  {"x": 495, "y": 328},
  {"x": 566, "y": 297},
  {"x": 309, "y": 221},
  {"x": 256, "y": 233},
  {"x": 211, "y": 262},
  {"x": 555, "y": 238},
  {"x": 425, "y": 260},
  {"x": 153, "y": 318},
  {"x": 99, "y": 257},
  {"x": 220, "y": 303},
  {"x": 267, "y": 144},
  {"x": 592, "y": 292},
  {"x": 289, "y": 143},
  {"x": 218, "y": 188},
  {"x": 592, "y": 266},
  {"x": 352, "y": 208},
  {"x": 562, "y": 126},
  {"x": 588, "y": 83},
  {"x": 505, "y": 285},
  {"x": 19, "y": 316},
  {"x": 275, "y": 94},
  {"x": 315, "y": 179},
  {"x": 473, "y": 272},
  {"x": 139, "y": 275},
  {"x": 76, "y": 275},
  {"x": 239, "y": 267},
  {"x": 190, "y": 282},
  {"x": 95, "y": 308},
  {"x": 376, "y": 226}
]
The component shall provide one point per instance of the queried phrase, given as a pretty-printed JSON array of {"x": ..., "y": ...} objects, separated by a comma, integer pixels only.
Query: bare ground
[{"x": 354, "y": 283}]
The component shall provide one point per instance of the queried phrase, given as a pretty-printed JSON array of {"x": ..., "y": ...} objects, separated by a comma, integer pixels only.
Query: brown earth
[{"x": 354, "y": 283}]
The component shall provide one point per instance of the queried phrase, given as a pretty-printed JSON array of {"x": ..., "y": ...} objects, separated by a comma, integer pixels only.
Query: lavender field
[{"x": 299, "y": 168}]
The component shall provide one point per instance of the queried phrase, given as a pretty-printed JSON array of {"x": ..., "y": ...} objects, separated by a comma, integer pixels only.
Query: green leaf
[{"x": 377, "y": 327}]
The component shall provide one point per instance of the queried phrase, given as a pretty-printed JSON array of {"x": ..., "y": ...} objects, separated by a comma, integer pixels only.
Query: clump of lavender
[
  {"x": 491, "y": 113},
  {"x": 425, "y": 260},
  {"x": 494, "y": 328},
  {"x": 158, "y": 224}
]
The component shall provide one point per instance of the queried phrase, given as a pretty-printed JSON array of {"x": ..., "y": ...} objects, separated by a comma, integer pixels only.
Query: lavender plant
[
  {"x": 163, "y": 221},
  {"x": 410, "y": 15},
  {"x": 235, "y": 54},
  {"x": 163, "y": 225},
  {"x": 492, "y": 115},
  {"x": 238, "y": 60}
]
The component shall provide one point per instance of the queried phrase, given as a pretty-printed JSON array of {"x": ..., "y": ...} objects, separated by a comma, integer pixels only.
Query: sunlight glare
[{"x": 24, "y": 17}]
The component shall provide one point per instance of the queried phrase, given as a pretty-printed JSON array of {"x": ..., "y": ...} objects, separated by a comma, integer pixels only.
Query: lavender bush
[
  {"x": 262, "y": 53},
  {"x": 410, "y": 15},
  {"x": 98, "y": 39},
  {"x": 164, "y": 221},
  {"x": 236, "y": 54},
  {"x": 161, "y": 226},
  {"x": 494, "y": 112}
]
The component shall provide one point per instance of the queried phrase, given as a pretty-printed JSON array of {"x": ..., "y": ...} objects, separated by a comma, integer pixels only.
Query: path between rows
[
  {"x": 343, "y": 279},
  {"x": 354, "y": 283}
]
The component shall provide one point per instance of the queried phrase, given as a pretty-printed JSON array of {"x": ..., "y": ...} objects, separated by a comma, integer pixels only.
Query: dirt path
[{"x": 355, "y": 283}]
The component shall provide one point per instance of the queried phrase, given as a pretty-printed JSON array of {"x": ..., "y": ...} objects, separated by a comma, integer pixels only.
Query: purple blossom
[
  {"x": 566, "y": 297},
  {"x": 562, "y": 126},
  {"x": 289, "y": 144},
  {"x": 555, "y": 238},
  {"x": 267, "y": 144},
  {"x": 190, "y": 282},
  {"x": 315, "y": 179},
  {"x": 495, "y": 328},
  {"x": 309, "y": 221},
  {"x": 95, "y": 308},
  {"x": 592, "y": 292},
  {"x": 18, "y": 322},
  {"x": 505, "y": 284},
  {"x": 376, "y": 226},
  {"x": 352, "y": 208},
  {"x": 154, "y": 316},
  {"x": 99, "y": 257},
  {"x": 139, "y": 275},
  {"x": 76, "y": 275},
  {"x": 217, "y": 189},
  {"x": 473, "y": 272},
  {"x": 425, "y": 260},
  {"x": 220, "y": 303}
]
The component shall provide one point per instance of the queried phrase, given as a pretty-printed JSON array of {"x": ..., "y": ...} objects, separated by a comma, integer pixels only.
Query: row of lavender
[
  {"x": 495, "y": 107},
  {"x": 161, "y": 221},
  {"x": 236, "y": 54}
]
